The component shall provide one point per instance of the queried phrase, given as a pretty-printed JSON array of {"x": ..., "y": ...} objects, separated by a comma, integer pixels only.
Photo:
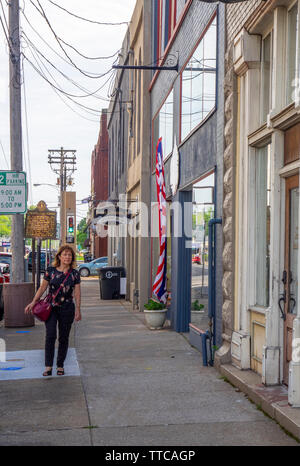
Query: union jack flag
[{"x": 159, "y": 288}]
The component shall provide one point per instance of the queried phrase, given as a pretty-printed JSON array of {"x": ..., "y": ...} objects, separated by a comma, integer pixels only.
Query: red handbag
[{"x": 42, "y": 309}]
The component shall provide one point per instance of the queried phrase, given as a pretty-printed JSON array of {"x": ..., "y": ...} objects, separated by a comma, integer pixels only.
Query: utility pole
[
  {"x": 17, "y": 232},
  {"x": 62, "y": 160}
]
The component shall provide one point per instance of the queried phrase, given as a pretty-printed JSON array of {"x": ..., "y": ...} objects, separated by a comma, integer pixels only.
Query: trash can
[{"x": 112, "y": 281}]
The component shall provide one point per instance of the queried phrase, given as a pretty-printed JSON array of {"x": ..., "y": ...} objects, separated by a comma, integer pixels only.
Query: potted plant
[
  {"x": 196, "y": 306},
  {"x": 155, "y": 314}
]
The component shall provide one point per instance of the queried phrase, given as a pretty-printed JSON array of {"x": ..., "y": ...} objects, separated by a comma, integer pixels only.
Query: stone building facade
[{"x": 261, "y": 193}]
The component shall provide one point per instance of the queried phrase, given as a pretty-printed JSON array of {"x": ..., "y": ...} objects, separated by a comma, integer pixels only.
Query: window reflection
[
  {"x": 163, "y": 127},
  {"x": 199, "y": 83},
  {"x": 203, "y": 211}
]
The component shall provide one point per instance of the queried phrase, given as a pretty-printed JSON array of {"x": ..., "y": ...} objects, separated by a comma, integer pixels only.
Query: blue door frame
[{"x": 181, "y": 272}]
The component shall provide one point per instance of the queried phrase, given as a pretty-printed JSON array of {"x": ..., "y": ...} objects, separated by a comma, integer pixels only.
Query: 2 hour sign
[{"x": 13, "y": 192}]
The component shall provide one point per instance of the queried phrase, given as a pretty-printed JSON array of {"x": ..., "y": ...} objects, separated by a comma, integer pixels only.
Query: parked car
[
  {"x": 196, "y": 259},
  {"x": 91, "y": 268},
  {"x": 4, "y": 273},
  {"x": 43, "y": 260},
  {"x": 6, "y": 258}
]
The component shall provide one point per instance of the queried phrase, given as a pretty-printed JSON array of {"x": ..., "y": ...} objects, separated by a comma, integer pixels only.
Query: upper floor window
[
  {"x": 291, "y": 52},
  {"x": 164, "y": 21},
  {"x": 198, "y": 82},
  {"x": 163, "y": 127},
  {"x": 266, "y": 76}
]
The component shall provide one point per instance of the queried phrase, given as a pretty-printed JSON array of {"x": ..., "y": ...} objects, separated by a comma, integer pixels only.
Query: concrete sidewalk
[{"x": 136, "y": 387}]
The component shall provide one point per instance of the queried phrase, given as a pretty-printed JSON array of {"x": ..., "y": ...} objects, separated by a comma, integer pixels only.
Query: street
[{"x": 128, "y": 386}]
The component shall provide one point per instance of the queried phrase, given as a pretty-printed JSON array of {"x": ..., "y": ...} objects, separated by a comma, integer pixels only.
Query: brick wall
[{"x": 100, "y": 177}]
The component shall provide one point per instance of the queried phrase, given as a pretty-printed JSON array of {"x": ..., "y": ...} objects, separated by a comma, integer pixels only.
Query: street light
[{"x": 46, "y": 184}]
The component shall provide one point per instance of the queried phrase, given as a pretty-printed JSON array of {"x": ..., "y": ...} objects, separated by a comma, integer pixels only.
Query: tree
[
  {"x": 5, "y": 225},
  {"x": 81, "y": 234}
]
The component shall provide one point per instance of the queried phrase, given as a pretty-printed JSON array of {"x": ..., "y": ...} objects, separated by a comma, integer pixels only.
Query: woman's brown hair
[{"x": 65, "y": 247}]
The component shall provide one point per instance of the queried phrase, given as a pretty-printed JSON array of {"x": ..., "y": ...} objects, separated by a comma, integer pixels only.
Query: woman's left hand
[{"x": 77, "y": 316}]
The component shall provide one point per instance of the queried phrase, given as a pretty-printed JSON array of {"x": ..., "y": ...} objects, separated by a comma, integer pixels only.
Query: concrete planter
[
  {"x": 155, "y": 319},
  {"x": 16, "y": 297}
]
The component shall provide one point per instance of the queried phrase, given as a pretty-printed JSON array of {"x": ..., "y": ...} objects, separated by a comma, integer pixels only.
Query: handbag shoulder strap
[{"x": 61, "y": 285}]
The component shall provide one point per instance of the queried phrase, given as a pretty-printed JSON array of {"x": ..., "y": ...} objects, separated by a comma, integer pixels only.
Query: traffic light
[{"x": 70, "y": 224}]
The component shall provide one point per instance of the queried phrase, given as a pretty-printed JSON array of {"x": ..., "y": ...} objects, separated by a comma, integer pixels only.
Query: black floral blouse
[{"x": 55, "y": 278}]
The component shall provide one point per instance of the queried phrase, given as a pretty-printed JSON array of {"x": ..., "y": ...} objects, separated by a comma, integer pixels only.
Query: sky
[{"x": 48, "y": 123}]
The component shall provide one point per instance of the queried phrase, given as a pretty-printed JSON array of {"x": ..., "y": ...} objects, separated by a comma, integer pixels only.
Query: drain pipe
[{"x": 212, "y": 284}]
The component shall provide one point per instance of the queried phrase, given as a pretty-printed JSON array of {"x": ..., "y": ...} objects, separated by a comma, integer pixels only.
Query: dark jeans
[{"x": 64, "y": 315}]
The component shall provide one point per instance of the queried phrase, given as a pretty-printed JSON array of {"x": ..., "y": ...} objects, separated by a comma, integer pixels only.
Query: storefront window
[
  {"x": 203, "y": 211},
  {"x": 198, "y": 96},
  {"x": 262, "y": 231},
  {"x": 291, "y": 51},
  {"x": 163, "y": 127}
]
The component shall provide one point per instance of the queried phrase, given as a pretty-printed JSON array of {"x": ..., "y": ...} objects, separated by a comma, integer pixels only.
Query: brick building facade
[{"x": 99, "y": 184}]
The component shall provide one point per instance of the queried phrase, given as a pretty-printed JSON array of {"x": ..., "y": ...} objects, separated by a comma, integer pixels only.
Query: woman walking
[{"x": 61, "y": 275}]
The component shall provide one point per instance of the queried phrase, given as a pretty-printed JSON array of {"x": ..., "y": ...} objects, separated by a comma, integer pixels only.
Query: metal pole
[
  {"x": 211, "y": 282},
  {"x": 17, "y": 231},
  {"x": 61, "y": 197},
  {"x": 33, "y": 256},
  {"x": 38, "y": 268}
]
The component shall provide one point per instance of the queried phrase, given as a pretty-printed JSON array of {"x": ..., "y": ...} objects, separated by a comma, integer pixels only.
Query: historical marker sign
[
  {"x": 40, "y": 223},
  {"x": 13, "y": 192}
]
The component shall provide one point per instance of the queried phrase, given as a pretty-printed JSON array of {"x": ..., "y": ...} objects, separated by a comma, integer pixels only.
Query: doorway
[
  {"x": 203, "y": 211},
  {"x": 290, "y": 273}
]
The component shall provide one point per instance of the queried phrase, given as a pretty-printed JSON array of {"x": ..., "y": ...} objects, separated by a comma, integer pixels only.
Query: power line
[
  {"x": 72, "y": 109},
  {"x": 88, "y": 20},
  {"x": 6, "y": 36},
  {"x": 40, "y": 72},
  {"x": 27, "y": 135},
  {"x": 58, "y": 40},
  {"x": 85, "y": 56},
  {"x": 86, "y": 109},
  {"x": 62, "y": 58},
  {"x": 4, "y": 16},
  {"x": 54, "y": 87},
  {"x": 59, "y": 89},
  {"x": 4, "y": 154},
  {"x": 89, "y": 94}
]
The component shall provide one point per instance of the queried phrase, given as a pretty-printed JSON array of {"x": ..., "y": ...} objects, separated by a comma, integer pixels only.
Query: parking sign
[{"x": 13, "y": 192}]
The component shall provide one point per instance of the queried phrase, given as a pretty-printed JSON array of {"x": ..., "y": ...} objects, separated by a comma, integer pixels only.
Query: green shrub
[
  {"x": 154, "y": 305},
  {"x": 196, "y": 306}
]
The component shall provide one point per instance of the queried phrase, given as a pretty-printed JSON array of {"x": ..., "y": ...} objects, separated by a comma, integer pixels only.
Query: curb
[{"x": 273, "y": 400}]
